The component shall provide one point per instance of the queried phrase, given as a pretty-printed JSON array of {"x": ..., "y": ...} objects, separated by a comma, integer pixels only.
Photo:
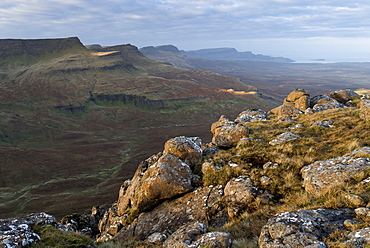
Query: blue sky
[{"x": 298, "y": 29}]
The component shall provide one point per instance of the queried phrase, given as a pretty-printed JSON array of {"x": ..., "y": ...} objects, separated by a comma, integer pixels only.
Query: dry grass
[{"x": 317, "y": 143}]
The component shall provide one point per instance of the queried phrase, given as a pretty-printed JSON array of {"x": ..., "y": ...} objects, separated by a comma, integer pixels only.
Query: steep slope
[{"x": 74, "y": 121}]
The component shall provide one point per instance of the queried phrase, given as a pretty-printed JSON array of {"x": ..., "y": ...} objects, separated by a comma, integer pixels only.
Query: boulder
[
  {"x": 86, "y": 224},
  {"x": 343, "y": 96},
  {"x": 358, "y": 239},
  {"x": 298, "y": 98},
  {"x": 204, "y": 205},
  {"x": 154, "y": 182},
  {"x": 286, "y": 111},
  {"x": 320, "y": 175},
  {"x": 252, "y": 115},
  {"x": 239, "y": 192},
  {"x": 184, "y": 148},
  {"x": 303, "y": 228},
  {"x": 17, "y": 232},
  {"x": 284, "y": 137},
  {"x": 365, "y": 109},
  {"x": 324, "y": 124},
  {"x": 323, "y": 102},
  {"x": 227, "y": 135},
  {"x": 221, "y": 121},
  {"x": 193, "y": 235}
]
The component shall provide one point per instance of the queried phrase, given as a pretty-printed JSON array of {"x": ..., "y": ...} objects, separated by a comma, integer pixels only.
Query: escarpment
[{"x": 267, "y": 179}]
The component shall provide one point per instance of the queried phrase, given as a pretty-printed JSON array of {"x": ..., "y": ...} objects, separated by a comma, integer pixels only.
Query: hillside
[
  {"x": 274, "y": 80},
  {"x": 296, "y": 176},
  {"x": 75, "y": 121}
]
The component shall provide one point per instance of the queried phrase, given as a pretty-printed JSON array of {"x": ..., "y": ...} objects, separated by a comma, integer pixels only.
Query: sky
[{"x": 298, "y": 29}]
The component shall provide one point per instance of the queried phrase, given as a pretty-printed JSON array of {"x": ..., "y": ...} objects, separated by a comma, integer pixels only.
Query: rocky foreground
[{"x": 188, "y": 194}]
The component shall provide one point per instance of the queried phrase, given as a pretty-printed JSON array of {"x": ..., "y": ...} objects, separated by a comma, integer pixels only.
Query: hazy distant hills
[
  {"x": 183, "y": 58},
  {"x": 75, "y": 122}
]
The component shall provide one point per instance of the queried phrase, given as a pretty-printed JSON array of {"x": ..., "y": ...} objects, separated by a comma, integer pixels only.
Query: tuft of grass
[{"x": 53, "y": 237}]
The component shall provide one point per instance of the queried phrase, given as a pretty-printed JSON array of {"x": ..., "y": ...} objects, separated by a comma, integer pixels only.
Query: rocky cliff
[
  {"x": 10, "y": 48},
  {"x": 297, "y": 177}
]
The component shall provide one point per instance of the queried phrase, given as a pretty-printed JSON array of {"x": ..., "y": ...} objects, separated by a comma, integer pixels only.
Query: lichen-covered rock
[
  {"x": 239, "y": 192},
  {"x": 284, "y": 137},
  {"x": 302, "y": 228},
  {"x": 221, "y": 121},
  {"x": 365, "y": 109},
  {"x": 320, "y": 175},
  {"x": 324, "y": 124},
  {"x": 156, "y": 238},
  {"x": 185, "y": 148},
  {"x": 229, "y": 134},
  {"x": 204, "y": 204},
  {"x": 193, "y": 235},
  {"x": 252, "y": 115},
  {"x": 286, "y": 111},
  {"x": 358, "y": 239},
  {"x": 298, "y": 98},
  {"x": 323, "y": 102},
  {"x": 343, "y": 96},
  {"x": 152, "y": 183},
  {"x": 86, "y": 224},
  {"x": 17, "y": 232}
]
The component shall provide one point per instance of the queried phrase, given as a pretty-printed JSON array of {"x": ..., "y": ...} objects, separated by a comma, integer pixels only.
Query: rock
[
  {"x": 355, "y": 200},
  {"x": 17, "y": 232},
  {"x": 205, "y": 204},
  {"x": 209, "y": 167},
  {"x": 265, "y": 181},
  {"x": 221, "y": 121},
  {"x": 359, "y": 238},
  {"x": 84, "y": 223},
  {"x": 210, "y": 151},
  {"x": 303, "y": 228},
  {"x": 297, "y": 126},
  {"x": 326, "y": 106},
  {"x": 362, "y": 212},
  {"x": 194, "y": 235},
  {"x": 320, "y": 175},
  {"x": 284, "y": 137},
  {"x": 365, "y": 109},
  {"x": 286, "y": 111},
  {"x": 156, "y": 238},
  {"x": 270, "y": 165},
  {"x": 152, "y": 183},
  {"x": 252, "y": 115},
  {"x": 324, "y": 124},
  {"x": 298, "y": 98},
  {"x": 239, "y": 192},
  {"x": 343, "y": 96},
  {"x": 229, "y": 134},
  {"x": 322, "y": 99},
  {"x": 184, "y": 148}
]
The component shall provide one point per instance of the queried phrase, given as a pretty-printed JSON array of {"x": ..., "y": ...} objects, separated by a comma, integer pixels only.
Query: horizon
[{"x": 300, "y": 30}]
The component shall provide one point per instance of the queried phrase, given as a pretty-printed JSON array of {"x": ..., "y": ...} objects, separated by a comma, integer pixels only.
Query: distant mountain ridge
[{"x": 163, "y": 53}]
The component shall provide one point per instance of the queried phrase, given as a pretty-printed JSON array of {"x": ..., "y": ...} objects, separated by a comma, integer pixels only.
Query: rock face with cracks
[
  {"x": 320, "y": 175},
  {"x": 303, "y": 228}
]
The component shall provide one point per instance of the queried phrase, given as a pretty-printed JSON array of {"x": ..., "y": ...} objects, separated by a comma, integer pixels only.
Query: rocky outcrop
[
  {"x": 252, "y": 115},
  {"x": 193, "y": 235},
  {"x": 320, "y": 175},
  {"x": 184, "y": 148},
  {"x": 203, "y": 204},
  {"x": 167, "y": 177},
  {"x": 17, "y": 232},
  {"x": 343, "y": 96},
  {"x": 303, "y": 228},
  {"x": 39, "y": 47},
  {"x": 239, "y": 192},
  {"x": 299, "y": 99},
  {"x": 286, "y": 111},
  {"x": 365, "y": 109},
  {"x": 284, "y": 137},
  {"x": 227, "y": 133}
]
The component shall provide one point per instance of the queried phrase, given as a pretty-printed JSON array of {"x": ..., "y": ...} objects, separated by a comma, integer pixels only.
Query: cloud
[{"x": 185, "y": 22}]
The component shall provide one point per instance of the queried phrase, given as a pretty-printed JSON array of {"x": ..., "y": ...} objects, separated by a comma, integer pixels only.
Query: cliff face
[{"x": 37, "y": 47}]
